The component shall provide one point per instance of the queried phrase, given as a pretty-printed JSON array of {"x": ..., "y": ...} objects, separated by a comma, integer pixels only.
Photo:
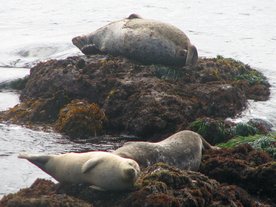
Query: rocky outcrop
[{"x": 150, "y": 101}]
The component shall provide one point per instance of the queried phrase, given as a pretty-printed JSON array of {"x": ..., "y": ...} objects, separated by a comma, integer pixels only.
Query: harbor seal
[
  {"x": 182, "y": 150},
  {"x": 144, "y": 40},
  {"x": 101, "y": 170}
]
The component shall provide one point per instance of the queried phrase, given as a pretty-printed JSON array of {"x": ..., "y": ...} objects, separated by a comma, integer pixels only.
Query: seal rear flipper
[
  {"x": 38, "y": 160},
  {"x": 90, "y": 164},
  {"x": 192, "y": 56},
  {"x": 134, "y": 16},
  {"x": 207, "y": 145}
]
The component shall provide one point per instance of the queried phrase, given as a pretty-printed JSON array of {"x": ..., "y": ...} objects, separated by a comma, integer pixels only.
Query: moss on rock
[
  {"x": 213, "y": 130},
  {"x": 36, "y": 111},
  {"x": 81, "y": 119},
  {"x": 266, "y": 143}
]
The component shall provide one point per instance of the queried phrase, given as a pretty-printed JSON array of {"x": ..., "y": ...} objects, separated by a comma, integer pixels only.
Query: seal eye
[{"x": 183, "y": 53}]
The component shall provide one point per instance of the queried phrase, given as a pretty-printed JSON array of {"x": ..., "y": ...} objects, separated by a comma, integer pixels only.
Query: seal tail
[{"x": 192, "y": 56}]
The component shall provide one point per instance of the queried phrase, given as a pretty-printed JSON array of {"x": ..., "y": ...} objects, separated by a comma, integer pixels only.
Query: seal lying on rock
[
  {"x": 102, "y": 170},
  {"x": 182, "y": 150},
  {"x": 148, "y": 41}
]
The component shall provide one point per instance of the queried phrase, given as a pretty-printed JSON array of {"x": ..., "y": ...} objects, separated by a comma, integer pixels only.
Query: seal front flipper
[
  {"x": 97, "y": 188},
  {"x": 90, "y": 164},
  {"x": 90, "y": 50},
  {"x": 192, "y": 56}
]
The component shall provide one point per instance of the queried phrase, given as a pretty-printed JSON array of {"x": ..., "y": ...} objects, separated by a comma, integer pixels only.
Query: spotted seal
[
  {"x": 145, "y": 40},
  {"x": 182, "y": 150}
]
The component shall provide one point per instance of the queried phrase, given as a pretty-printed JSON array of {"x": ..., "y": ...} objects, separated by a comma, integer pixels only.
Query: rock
[
  {"x": 262, "y": 126},
  {"x": 158, "y": 185},
  {"x": 41, "y": 193},
  {"x": 243, "y": 166},
  {"x": 150, "y": 101}
]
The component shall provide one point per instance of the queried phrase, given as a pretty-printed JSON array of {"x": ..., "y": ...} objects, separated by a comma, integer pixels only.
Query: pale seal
[
  {"x": 101, "y": 170},
  {"x": 182, "y": 150},
  {"x": 144, "y": 40}
]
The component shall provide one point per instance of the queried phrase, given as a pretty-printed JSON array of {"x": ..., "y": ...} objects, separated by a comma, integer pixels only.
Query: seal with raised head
[
  {"x": 144, "y": 40},
  {"x": 182, "y": 150},
  {"x": 101, "y": 170}
]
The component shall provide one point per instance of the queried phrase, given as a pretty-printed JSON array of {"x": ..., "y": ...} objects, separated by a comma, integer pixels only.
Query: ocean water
[{"x": 33, "y": 31}]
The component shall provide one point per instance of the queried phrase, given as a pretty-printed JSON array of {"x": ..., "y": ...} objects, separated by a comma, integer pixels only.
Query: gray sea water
[{"x": 33, "y": 31}]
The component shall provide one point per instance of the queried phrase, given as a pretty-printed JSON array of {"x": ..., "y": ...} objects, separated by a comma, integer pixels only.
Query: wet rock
[
  {"x": 261, "y": 125},
  {"x": 41, "y": 194},
  {"x": 158, "y": 185},
  {"x": 36, "y": 111},
  {"x": 150, "y": 101},
  {"x": 243, "y": 166}
]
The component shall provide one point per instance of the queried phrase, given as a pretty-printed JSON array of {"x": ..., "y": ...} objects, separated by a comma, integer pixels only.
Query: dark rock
[
  {"x": 243, "y": 166},
  {"x": 261, "y": 125},
  {"x": 41, "y": 194},
  {"x": 150, "y": 101}
]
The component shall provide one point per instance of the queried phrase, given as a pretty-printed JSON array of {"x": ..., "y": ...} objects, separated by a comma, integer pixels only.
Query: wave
[{"x": 28, "y": 55}]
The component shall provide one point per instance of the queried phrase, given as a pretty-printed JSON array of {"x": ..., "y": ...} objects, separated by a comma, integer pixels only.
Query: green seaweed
[
  {"x": 242, "y": 71},
  {"x": 258, "y": 141},
  {"x": 214, "y": 131},
  {"x": 242, "y": 129}
]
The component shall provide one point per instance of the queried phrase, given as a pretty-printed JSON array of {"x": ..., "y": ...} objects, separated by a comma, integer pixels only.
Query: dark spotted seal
[
  {"x": 144, "y": 40},
  {"x": 182, "y": 150}
]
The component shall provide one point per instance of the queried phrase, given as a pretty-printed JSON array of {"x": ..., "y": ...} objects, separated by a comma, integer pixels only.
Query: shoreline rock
[
  {"x": 163, "y": 185},
  {"x": 148, "y": 101}
]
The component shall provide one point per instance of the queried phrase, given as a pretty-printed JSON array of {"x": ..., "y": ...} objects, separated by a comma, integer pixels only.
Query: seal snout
[
  {"x": 131, "y": 174},
  {"x": 79, "y": 41}
]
